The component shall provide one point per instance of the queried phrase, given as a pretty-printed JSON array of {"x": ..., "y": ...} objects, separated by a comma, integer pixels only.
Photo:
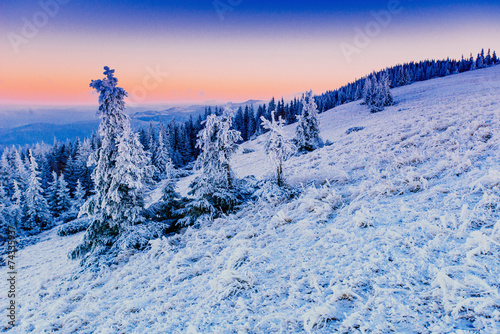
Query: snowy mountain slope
[{"x": 403, "y": 237}]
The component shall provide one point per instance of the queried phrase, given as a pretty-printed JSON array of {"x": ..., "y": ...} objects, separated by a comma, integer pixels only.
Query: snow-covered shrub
[
  {"x": 248, "y": 150},
  {"x": 273, "y": 194},
  {"x": 230, "y": 282},
  {"x": 319, "y": 203},
  {"x": 138, "y": 236},
  {"x": 319, "y": 316},
  {"x": 363, "y": 218},
  {"x": 354, "y": 129},
  {"x": 488, "y": 182},
  {"x": 282, "y": 217},
  {"x": 74, "y": 226}
]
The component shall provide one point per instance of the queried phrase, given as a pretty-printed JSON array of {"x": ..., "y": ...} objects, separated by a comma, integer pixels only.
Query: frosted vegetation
[{"x": 391, "y": 227}]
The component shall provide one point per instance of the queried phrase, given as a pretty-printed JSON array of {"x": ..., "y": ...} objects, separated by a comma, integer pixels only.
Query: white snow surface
[{"x": 397, "y": 230}]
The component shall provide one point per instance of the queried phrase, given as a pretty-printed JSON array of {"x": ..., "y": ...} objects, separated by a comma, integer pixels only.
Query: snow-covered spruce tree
[
  {"x": 307, "y": 137},
  {"x": 277, "y": 146},
  {"x": 75, "y": 203},
  {"x": 3, "y": 217},
  {"x": 162, "y": 161},
  {"x": 368, "y": 90},
  {"x": 21, "y": 175},
  {"x": 170, "y": 202},
  {"x": 15, "y": 209},
  {"x": 121, "y": 170},
  {"x": 36, "y": 216},
  {"x": 214, "y": 189},
  {"x": 83, "y": 153},
  {"x": 384, "y": 91},
  {"x": 78, "y": 197},
  {"x": 63, "y": 198},
  {"x": 51, "y": 194},
  {"x": 17, "y": 196},
  {"x": 6, "y": 172}
]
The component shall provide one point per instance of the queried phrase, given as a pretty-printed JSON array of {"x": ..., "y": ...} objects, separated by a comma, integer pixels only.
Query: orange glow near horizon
[{"x": 56, "y": 69}]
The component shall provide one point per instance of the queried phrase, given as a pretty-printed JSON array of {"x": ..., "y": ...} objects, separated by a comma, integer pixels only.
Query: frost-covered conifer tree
[
  {"x": 6, "y": 172},
  {"x": 83, "y": 153},
  {"x": 170, "y": 198},
  {"x": 307, "y": 132},
  {"x": 277, "y": 146},
  {"x": 368, "y": 91},
  {"x": 79, "y": 196},
  {"x": 4, "y": 217},
  {"x": 52, "y": 195},
  {"x": 20, "y": 172},
  {"x": 3, "y": 196},
  {"x": 36, "y": 212},
  {"x": 163, "y": 162},
  {"x": 121, "y": 170},
  {"x": 4, "y": 202},
  {"x": 384, "y": 96},
  {"x": 16, "y": 208},
  {"x": 17, "y": 196},
  {"x": 63, "y": 199},
  {"x": 76, "y": 202},
  {"x": 214, "y": 188}
]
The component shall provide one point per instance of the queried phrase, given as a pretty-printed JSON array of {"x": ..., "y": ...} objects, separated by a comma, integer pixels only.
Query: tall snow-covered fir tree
[
  {"x": 384, "y": 91},
  {"x": 63, "y": 201},
  {"x": 307, "y": 132},
  {"x": 121, "y": 169},
  {"x": 78, "y": 197},
  {"x": 162, "y": 160},
  {"x": 4, "y": 219},
  {"x": 369, "y": 90},
  {"x": 277, "y": 146},
  {"x": 51, "y": 194},
  {"x": 6, "y": 172},
  {"x": 36, "y": 216},
  {"x": 83, "y": 153},
  {"x": 16, "y": 207},
  {"x": 214, "y": 188},
  {"x": 21, "y": 175}
]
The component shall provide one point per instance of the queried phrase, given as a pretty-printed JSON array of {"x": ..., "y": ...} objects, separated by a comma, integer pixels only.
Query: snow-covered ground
[{"x": 397, "y": 230}]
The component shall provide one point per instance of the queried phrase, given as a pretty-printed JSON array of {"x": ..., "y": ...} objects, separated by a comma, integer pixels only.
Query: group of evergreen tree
[
  {"x": 376, "y": 92},
  {"x": 43, "y": 185},
  {"x": 405, "y": 74},
  {"x": 106, "y": 176}
]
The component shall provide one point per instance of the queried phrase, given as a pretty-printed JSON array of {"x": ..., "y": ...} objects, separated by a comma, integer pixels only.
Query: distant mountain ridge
[{"x": 47, "y": 131}]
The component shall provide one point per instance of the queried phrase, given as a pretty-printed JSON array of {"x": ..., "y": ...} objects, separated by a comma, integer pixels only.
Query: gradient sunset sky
[{"x": 254, "y": 50}]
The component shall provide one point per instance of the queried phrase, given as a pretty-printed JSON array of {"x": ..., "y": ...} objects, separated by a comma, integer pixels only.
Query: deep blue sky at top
[{"x": 183, "y": 15}]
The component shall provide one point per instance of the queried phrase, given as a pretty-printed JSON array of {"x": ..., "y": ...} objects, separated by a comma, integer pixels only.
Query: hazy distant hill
[{"x": 45, "y": 131}]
